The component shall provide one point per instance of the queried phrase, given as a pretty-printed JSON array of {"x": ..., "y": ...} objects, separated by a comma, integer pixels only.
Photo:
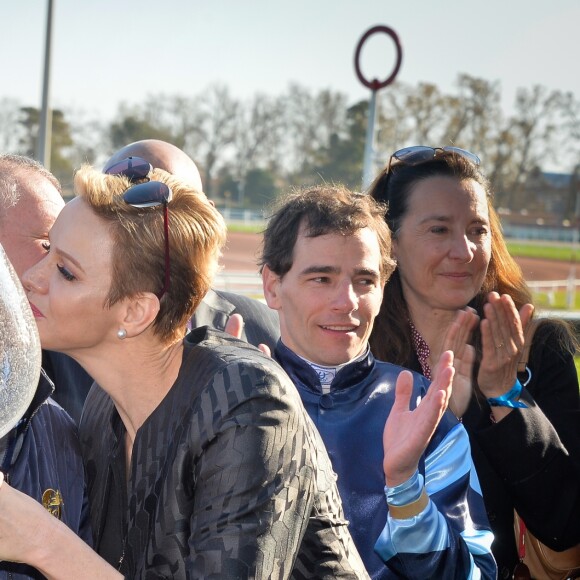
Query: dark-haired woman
[{"x": 451, "y": 254}]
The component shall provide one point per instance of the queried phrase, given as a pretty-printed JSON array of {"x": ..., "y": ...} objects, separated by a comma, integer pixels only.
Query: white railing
[
  {"x": 249, "y": 283},
  {"x": 246, "y": 283},
  {"x": 248, "y": 217},
  {"x": 551, "y": 286}
]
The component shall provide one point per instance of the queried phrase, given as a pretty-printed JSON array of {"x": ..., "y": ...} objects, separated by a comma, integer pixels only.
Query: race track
[{"x": 242, "y": 250}]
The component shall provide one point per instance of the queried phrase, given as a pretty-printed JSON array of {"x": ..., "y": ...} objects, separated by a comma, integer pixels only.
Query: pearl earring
[{"x": 121, "y": 333}]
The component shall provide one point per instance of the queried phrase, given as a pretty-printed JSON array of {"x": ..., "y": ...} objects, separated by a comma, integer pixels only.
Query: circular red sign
[{"x": 376, "y": 84}]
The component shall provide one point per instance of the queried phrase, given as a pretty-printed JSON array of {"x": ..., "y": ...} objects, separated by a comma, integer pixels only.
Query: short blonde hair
[{"x": 197, "y": 234}]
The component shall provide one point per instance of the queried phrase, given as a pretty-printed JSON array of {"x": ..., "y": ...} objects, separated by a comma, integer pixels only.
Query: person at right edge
[{"x": 524, "y": 429}]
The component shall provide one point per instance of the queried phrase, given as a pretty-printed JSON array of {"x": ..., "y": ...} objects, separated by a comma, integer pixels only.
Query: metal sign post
[{"x": 374, "y": 85}]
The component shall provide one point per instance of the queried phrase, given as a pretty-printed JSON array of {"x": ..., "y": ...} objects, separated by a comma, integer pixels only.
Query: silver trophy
[{"x": 20, "y": 353}]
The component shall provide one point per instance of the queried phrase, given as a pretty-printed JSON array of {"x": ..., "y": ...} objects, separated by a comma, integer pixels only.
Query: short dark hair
[{"x": 323, "y": 210}]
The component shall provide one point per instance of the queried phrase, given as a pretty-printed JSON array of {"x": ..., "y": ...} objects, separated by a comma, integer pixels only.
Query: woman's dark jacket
[
  {"x": 530, "y": 460},
  {"x": 228, "y": 477}
]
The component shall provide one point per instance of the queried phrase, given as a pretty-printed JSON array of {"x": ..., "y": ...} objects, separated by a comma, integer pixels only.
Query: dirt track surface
[
  {"x": 242, "y": 251},
  {"x": 535, "y": 269}
]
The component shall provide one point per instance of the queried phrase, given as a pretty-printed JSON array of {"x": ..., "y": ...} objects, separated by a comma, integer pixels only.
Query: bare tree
[
  {"x": 88, "y": 136},
  {"x": 394, "y": 127},
  {"x": 303, "y": 136},
  {"x": 475, "y": 114},
  {"x": 213, "y": 128},
  {"x": 424, "y": 115},
  {"x": 311, "y": 120},
  {"x": 568, "y": 150},
  {"x": 10, "y": 127},
  {"x": 534, "y": 128},
  {"x": 134, "y": 122},
  {"x": 426, "y": 108},
  {"x": 545, "y": 124},
  {"x": 257, "y": 137}
]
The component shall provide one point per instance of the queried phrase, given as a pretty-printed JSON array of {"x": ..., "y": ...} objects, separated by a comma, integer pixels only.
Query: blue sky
[{"x": 107, "y": 51}]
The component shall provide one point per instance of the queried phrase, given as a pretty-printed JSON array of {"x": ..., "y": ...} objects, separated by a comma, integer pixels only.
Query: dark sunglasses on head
[
  {"x": 151, "y": 194},
  {"x": 422, "y": 154},
  {"x": 133, "y": 168},
  {"x": 418, "y": 154}
]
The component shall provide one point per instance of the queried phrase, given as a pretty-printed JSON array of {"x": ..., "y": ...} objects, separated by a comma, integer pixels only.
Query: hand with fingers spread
[
  {"x": 407, "y": 433},
  {"x": 457, "y": 341},
  {"x": 502, "y": 337}
]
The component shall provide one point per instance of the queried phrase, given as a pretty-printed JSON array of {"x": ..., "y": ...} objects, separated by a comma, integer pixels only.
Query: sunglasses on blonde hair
[
  {"x": 133, "y": 168},
  {"x": 147, "y": 194}
]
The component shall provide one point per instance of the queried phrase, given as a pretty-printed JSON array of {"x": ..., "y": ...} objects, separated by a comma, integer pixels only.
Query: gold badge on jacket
[{"x": 52, "y": 501}]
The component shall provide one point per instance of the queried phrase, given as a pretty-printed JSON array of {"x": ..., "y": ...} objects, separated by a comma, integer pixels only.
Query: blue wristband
[{"x": 509, "y": 399}]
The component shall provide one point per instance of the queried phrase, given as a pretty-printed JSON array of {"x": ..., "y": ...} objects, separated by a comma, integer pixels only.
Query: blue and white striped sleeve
[{"x": 450, "y": 538}]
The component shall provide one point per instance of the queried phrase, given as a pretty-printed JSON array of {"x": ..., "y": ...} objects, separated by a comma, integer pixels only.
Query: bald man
[
  {"x": 162, "y": 155},
  {"x": 248, "y": 319},
  {"x": 261, "y": 325}
]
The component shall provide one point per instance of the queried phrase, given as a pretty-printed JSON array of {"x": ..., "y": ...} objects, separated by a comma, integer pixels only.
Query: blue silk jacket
[
  {"x": 451, "y": 537},
  {"x": 41, "y": 457}
]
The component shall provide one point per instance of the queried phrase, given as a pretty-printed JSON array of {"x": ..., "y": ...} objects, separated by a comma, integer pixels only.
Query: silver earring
[{"x": 121, "y": 333}]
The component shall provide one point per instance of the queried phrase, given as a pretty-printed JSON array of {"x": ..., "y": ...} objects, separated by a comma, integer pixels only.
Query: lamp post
[
  {"x": 45, "y": 126},
  {"x": 374, "y": 85}
]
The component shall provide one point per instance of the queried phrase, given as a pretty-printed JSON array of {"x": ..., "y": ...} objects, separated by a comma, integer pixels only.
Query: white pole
[
  {"x": 45, "y": 128},
  {"x": 369, "y": 156}
]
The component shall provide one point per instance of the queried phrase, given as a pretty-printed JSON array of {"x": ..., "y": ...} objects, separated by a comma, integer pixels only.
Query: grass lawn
[
  {"x": 556, "y": 300},
  {"x": 245, "y": 228},
  {"x": 564, "y": 252},
  {"x": 560, "y": 252}
]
